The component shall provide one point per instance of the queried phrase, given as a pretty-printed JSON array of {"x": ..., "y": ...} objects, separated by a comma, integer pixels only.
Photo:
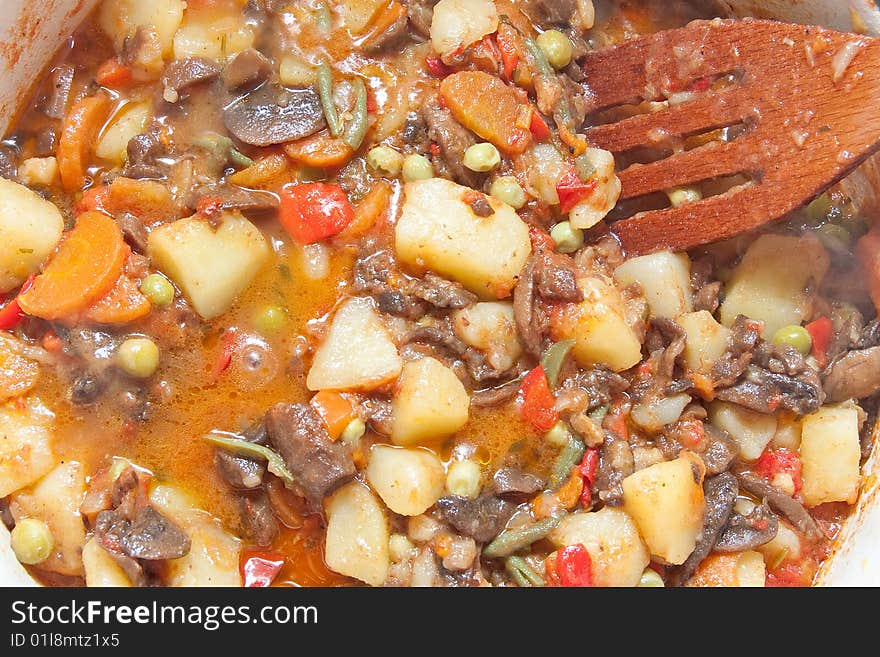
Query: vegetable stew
[{"x": 310, "y": 293}]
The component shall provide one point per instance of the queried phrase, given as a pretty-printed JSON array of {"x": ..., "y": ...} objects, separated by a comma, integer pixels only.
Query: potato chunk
[
  {"x": 409, "y": 481},
  {"x": 706, "y": 340},
  {"x": 438, "y": 230},
  {"x": 128, "y": 122},
  {"x": 770, "y": 281},
  {"x": 666, "y": 501},
  {"x": 357, "y": 353},
  {"x": 741, "y": 569},
  {"x": 429, "y": 403},
  {"x": 490, "y": 327},
  {"x": 665, "y": 278},
  {"x": 830, "y": 455},
  {"x": 610, "y": 536},
  {"x": 357, "y": 535},
  {"x": 55, "y": 500},
  {"x": 212, "y": 267},
  {"x": 100, "y": 567},
  {"x": 751, "y": 430},
  {"x": 18, "y": 373},
  {"x": 459, "y": 23},
  {"x": 121, "y": 18},
  {"x": 30, "y": 228},
  {"x": 25, "y": 444},
  {"x": 598, "y": 326}
]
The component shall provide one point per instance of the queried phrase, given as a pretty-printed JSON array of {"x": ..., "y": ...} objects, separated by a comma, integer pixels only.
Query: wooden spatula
[{"x": 809, "y": 99}]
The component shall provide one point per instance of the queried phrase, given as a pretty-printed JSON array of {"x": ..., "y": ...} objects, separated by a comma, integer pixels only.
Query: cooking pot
[{"x": 31, "y": 31}]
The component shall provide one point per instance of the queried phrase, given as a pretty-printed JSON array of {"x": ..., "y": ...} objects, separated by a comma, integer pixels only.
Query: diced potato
[
  {"x": 489, "y": 326},
  {"x": 610, "y": 536},
  {"x": 751, "y": 430},
  {"x": 120, "y": 18},
  {"x": 430, "y": 403},
  {"x": 786, "y": 541},
  {"x": 55, "y": 500},
  {"x": 666, "y": 501},
  {"x": 357, "y": 353},
  {"x": 591, "y": 210},
  {"x": 357, "y": 14},
  {"x": 409, "y": 481},
  {"x": 830, "y": 455},
  {"x": 788, "y": 432},
  {"x": 665, "y": 278},
  {"x": 544, "y": 166},
  {"x": 599, "y": 327},
  {"x": 706, "y": 340},
  {"x": 216, "y": 37},
  {"x": 18, "y": 373},
  {"x": 38, "y": 171},
  {"x": 213, "y": 559},
  {"x": 357, "y": 535},
  {"x": 30, "y": 228},
  {"x": 654, "y": 414},
  {"x": 128, "y": 122},
  {"x": 769, "y": 283},
  {"x": 100, "y": 568},
  {"x": 25, "y": 444},
  {"x": 438, "y": 230},
  {"x": 459, "y": 23},
  {"x": 740, "y": 569},
  {"x": 211, "y": 266}
]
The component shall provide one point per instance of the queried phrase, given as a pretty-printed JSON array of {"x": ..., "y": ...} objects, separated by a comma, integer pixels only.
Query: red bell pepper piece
[
  {"x": 538, "y": 127},
  {"x": 821, "y": 331},
  {"x": 209, "y": 206},
  {"x": 225, "y": 359},
  {"x": 587, "y": 470},
  {"x": 574, "y": 567},
  {"x": 780, "y": 461},
  {"x": 692, "y": 432},
  {"x": 538, "y": 406},
  {"x": 11, "y": 314},
  {"x": 113, "y": 74},
  {"x": 540, "y": 239},
  {"x": 509, "y": 56},
  {"x": 436, "y": 67},
  {"x": 313, "y": 211},
  {"x": 259, "y": 568},
  {"x": 572, "y": 190}
]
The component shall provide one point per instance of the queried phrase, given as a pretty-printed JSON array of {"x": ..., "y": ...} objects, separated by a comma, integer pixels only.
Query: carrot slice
[
  {"x": 369, "y": 210},
  {"x": 149, "y": 200},
  {"x": 271, "y": 172},
  {"x": 124, "y": 303},
  {"x": 335, "y": 410},
  {"x": 484, "y": 104},
  {"x": 320, "y": 150},
  {"x": 83, "y": 269},
  {"x": 78, "y": 136}
]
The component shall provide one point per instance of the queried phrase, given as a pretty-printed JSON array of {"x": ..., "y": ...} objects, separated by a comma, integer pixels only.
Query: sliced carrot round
[
  {"x": 78, "y": 136},
  {"x": 122, "y": 304},
  {"x": 319, "y": 150},
  {"x": 84, "y": 268}
]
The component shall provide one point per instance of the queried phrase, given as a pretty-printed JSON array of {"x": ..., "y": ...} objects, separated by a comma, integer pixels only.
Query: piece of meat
[
  {"x": 390, "y": 37},
  {"x": 853, "y": 376},
  {"x": 556, "y": 277},
  {"x": 481, "y": 518},
  {"x": 415, "y": 131},
  {"x": 869, "y": 335},
  {"x": 496, "y": 396},
  {"x": 524, "y": 312},
  {"x": 453, "y": 139},
  {"x": 8, "y": 162},
  {"x": 562, "y": 98},
  {"x": 440, "y": 292},
  {"x": 551, "y": 12},
  {"x": 59, "y": 94},
  {"x": 744, "y": 336},
  {"x": 233, "y": 197},
  {"x": 420, "y": 14},
  {"x": 782, "y": 503},
  {"x": 442, "y": 335},
  {"x": 395, "y": 302},
  {"x": 599, "y": 383},
  {"x": 748, "y": 532},
  {"x": 319, "y": 465},
  {"x": 87, "y": 387},
  {"x": 153, "y": 536},
  {"x": 182, "y": 74},
  {"x": 616, "y": 463},
  {"x": 720, "y": 493},
  {"x": 708, "y": 297},
  {"x": 243, "y": 472},
  {"x": 718, "y": 450},
  {"x": 248, "y": 69},
  {"x": 134, "y": 230},
  {"x": 273, "y": 114},
  {"x": 257, "y": 518},
  {"x": 516, "y": 482},
  {"x": 766, "y": 392}
]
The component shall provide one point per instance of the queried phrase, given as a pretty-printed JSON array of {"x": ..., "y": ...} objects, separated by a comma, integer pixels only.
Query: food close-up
[{"x": 492, "y": 293}]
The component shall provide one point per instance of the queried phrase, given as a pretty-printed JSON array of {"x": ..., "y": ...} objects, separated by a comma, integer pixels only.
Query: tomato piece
[
  {"x": 537, "y": 404},
  {"x": 259, "y": 568},
  {"x": 113, "y": 74},
  {"x": 436, "y": 67},
  {"x": 574, "y": 567},
  {"x": 313, "y": 211},
  {"x": 540, "y": 239},
  {"x": 587, "y": 470},
  {"x": 821, "y": 331},
  {"x": 11, "y": 314},
  {"x": 774, "y": 462},
  {"x": 509, "y": 56},
  {"x": 538, "y": 127},
  {"x": 572, "y": 190}
]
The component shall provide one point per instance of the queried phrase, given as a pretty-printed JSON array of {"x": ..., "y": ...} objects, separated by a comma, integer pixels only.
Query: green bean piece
[
  {"x": 553, "y": 358},
  {"x": 541, "y": 61},
  {"x": 239, "y": 159},
  {"x": 357, "y": 129},
  {"x": 522, "y": 572},
  {"x": 513, "y": 540},
  {"x": 222, "y": 148},
  {"x": 569, "y": 456},
  {"x": 325, "y": 91},
  {"x": 274, "y": 461}
]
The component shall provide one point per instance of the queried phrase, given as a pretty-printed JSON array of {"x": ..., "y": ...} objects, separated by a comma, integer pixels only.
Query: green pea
[
  {"x": 794, "y": 335},
  {"x": 385, "y": 161},
  {"x": 270, "y": 319},
  {"x": 507, "y": 190},
  {"x": 650, "y": 579},
  {"x": 567, "y": 239},
  {"x": 138, "y": 357},
  {"x": 482, "y": 157},
  {"x": 353, "y": 431},
  {"x": 557, "y": 47},
  {"x": 417, "y": 167},
  {"x": 31, "y": 541},
  {"x": 158, "y": 289}
]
